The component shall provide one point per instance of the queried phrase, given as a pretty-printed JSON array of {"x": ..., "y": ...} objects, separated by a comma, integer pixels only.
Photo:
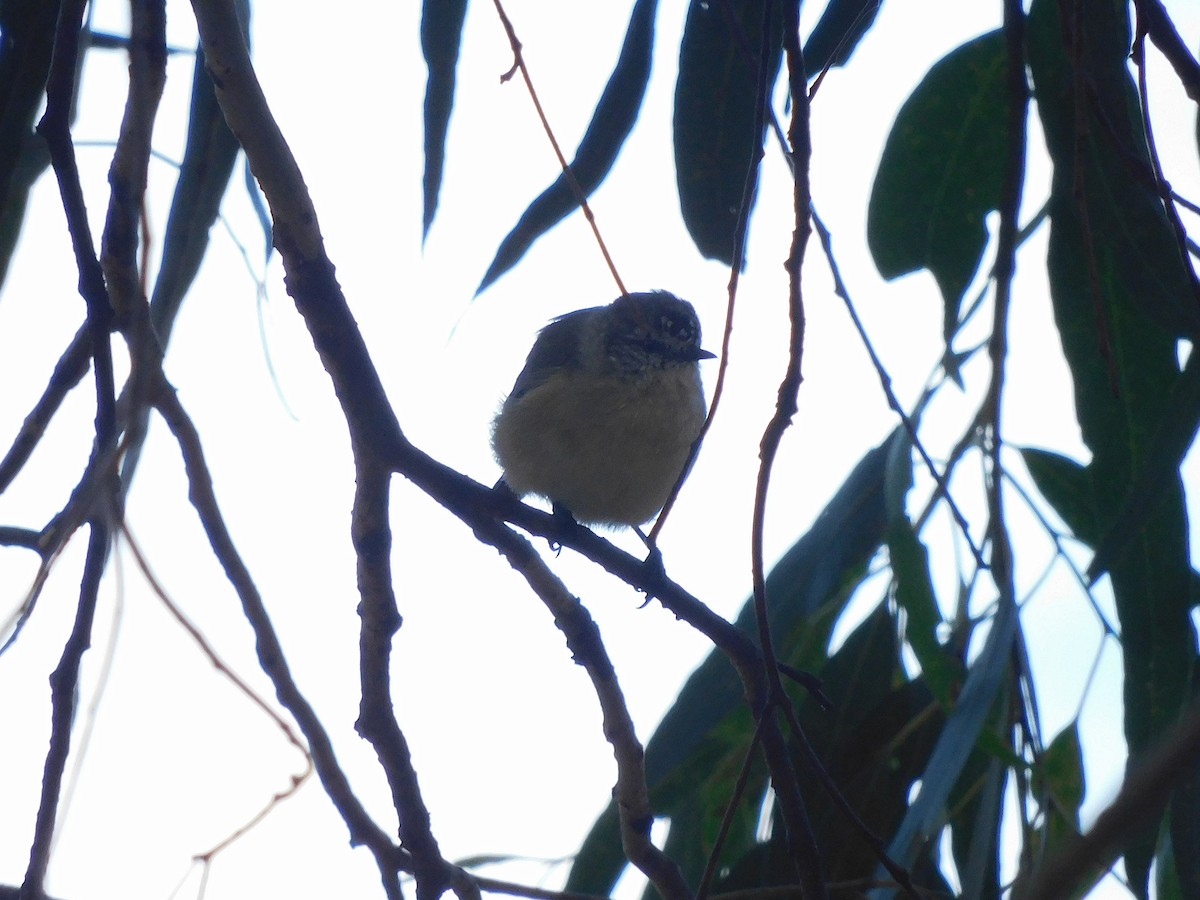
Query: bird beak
[{"x": 704, "y": 354}]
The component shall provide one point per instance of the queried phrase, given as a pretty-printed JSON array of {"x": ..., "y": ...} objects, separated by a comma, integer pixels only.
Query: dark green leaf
[
  {"x": 836, "y": 35},
  {"x": 26, "y": 39},
  {"x": 716, "y": 101},
  {"x": 1060, "y": 775},
  {"x": 694, "y": 755},
  {"x": 959, "y": 737},
  {"x": 441, "y": 32},
  {"x": 611, "y": 123},
  {"x": 208, "y": 159},
  {"x": 942, "y": 171},
  {"x": 975, "y": 812},
  {"x": 1159, "y": 469},
  {"x": 1120, "y": 298},
  {"x": 874, "y": 743},
  {"x": 1058, "y": 782},
  {"x": 913, "y": 588},
  {"x": 1067, "y": 487}
]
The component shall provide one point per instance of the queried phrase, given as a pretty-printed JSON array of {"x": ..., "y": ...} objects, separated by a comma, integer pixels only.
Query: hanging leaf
[
  {"x": 611, "y": 123},
  {"x": 208, "y": 159},
  {"x": 1120, "y": 299},
  {"x": 26, "y": 41},
  {"x": 441, "y": 33},
  {"x": 942, "y": 171},
  {"x": 716, "y": 100},
  {"x": 837, "y": 33},
  {"x": 987, "y": 674}
]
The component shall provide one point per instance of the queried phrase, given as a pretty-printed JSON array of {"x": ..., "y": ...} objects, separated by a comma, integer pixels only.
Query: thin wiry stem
[{"x": 910, "y": 426}]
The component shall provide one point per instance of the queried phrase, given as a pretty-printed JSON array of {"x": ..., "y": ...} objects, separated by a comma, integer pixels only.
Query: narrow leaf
[
  {"x": 441, "y": 34},
  {"x": 208, "y": 160},
  {"x": 987, "y": 674},
  {"x": 611, "y": 123},
  {"x": 1159, "y": 469},
  {"x": 837, "y": 33},
  {"x": 913, "y": 590}
]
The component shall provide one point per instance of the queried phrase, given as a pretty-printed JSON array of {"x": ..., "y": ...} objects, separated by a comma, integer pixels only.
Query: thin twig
[
  {"x": 740, "y": 232},
  {"x": 731, "y": 805},
  {"x": 941, "y": 479},
  {"x": 802, "y": 847},
  {"x": 297, "y": 780}
]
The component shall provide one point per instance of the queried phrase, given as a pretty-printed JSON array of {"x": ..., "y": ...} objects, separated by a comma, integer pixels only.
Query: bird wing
[{"x": 556, "y": 347}]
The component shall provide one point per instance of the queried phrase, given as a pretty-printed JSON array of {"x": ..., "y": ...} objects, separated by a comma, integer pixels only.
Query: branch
[
  {"x": 375, "y": 433},
  {"x": 71, "y": 367},
  {"x": 376, "y": 719},
  {"x": 1143, "y": 797},
  {"x": 131, "y": 159},
  {"x": 1162, "y": 32},
  {"x": 64, "y": 686},
  {"x": 54, "y": 128},
  {"x": 583, "y": 638},
  {"x": 363, "y": 830},
  {"x": 802, "y": 847}
]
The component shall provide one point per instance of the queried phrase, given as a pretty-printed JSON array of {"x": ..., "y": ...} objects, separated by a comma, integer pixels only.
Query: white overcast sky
[{"x": 504, "y": 728}]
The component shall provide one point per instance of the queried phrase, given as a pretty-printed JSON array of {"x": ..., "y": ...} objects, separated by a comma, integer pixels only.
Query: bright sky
[{"x": 504, "y": 728}]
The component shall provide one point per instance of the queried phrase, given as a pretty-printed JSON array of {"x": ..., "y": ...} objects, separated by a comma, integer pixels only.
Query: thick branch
[
  {"x": 376, "y": 719},
  {"x": 1143, "y": 797},
  {"x": 583, "y": 638}
]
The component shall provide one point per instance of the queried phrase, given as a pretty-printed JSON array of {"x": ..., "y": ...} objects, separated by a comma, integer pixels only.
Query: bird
[{"x": 602, "y": 419}]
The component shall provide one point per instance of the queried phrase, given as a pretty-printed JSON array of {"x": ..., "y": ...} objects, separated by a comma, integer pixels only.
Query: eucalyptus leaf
[
  {"x": 441, "y": 34},
  {"x": 942, "y": 171},
  {"x": 611, "y": 123}
]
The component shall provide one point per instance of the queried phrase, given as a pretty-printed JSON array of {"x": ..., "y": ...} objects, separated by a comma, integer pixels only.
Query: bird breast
[{"x": 608, "y": 448}]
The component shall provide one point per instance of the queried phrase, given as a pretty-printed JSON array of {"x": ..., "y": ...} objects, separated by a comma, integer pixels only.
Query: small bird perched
[{"x": 603, "y": 416}]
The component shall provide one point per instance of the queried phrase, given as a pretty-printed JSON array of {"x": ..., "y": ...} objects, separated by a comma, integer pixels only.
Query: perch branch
[{"x": 583, "y": 638}]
